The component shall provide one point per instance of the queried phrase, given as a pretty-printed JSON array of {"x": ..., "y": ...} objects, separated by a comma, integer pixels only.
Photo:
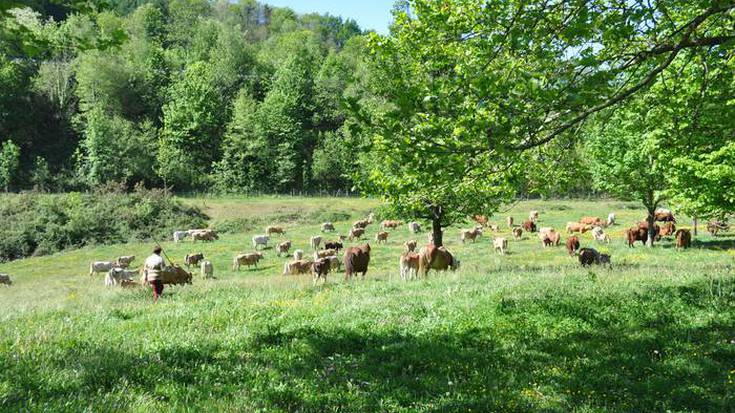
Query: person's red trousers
[{"x": 157, "y": 287}]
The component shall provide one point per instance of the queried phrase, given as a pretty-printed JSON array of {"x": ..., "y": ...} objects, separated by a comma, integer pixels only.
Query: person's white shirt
[{"x": 154, "y": 262}]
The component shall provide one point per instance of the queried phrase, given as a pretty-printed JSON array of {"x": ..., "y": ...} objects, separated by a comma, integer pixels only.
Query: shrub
[{"x": 38, "y": 224}]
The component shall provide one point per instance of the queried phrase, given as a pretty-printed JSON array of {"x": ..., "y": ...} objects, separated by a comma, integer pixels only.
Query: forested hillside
[{"x": 191, "y": 94}]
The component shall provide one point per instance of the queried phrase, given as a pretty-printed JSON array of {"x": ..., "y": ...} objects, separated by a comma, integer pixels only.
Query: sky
[{"x": 369, "y": 14}]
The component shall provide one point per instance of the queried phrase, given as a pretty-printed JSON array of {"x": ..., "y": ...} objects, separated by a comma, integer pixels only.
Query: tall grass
[{"x": 529, "y": 331}]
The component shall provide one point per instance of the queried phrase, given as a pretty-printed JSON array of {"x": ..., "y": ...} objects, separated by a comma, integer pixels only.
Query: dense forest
[
  {"x": 190, "y": 94},
  {"x": 463, "y": 106}
]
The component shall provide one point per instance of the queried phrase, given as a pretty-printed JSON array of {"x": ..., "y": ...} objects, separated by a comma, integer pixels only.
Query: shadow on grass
[{"x": 546, "y": 354}]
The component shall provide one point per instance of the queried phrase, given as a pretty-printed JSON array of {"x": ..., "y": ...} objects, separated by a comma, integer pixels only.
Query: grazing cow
[
  {"x": 246, "y": 259},
  {"x": 414, "y": 227},
  {"x": 656, "y": 229},
  {"x": 663, "y": 215},
  {"x": 634, "y": 234},
  {"x": 549, "y": 236},
  {"x": 315, "y": 242},
  {"x": 260, "y": 240},
  {"x": 193, "y": 259},
  {"x": 297, "y": 267},
  {"x": 408, "y": 265},
  {"x": 683, "y": 239},
  {"x": 482, "y": 220},
  {"x": 324, "y": 254},
  {"x": 327, "y": 227},
  {"x": 533, "y": 216},
  {"x": 333, "y": 245},
  {"x": 389, "y": 224},
  {"x": 470, "y": 234},
  {"x": 181, "y": 235},
  {"x": 599, "y": 235},
  {"x": 335, "y": 263},
  {"x": 362, "y": 223},
  {"x": 590, "y": 256},
  {"x": 529, "y": 226},
  {"x": 356, "y": 233},
  {"x": 125, "y": 261},
  {"x": 274, "y": 230},
  {"x": 117, "y": 275},
  {"x": 171, "y": 275},
  {"x": 320, "y": 269},
  {"x": 500, "y": 245},
  {"x": 715, "y": 226},
  {"x": 593, "y": 221},
  {"x": 381, "y": 236},
  {"x": 298, "y": 255},
  {"x": 517, "y": 233},
  {"x": 572, "y": 245},
  {"x": 356, "y": 260},
  {"x": 96, "y": 267},
  {"x": 208, "y": 236},
  {"x": 283, "y": 247},
  {"x": 667, "y": 229},
  {"x": 410, "y": 245},
  {"x": 207, "y": 269},
  {"x": 436, "y": 258},
  {"x": 573, "y": 227},
  {"x": 5, "y": 279},
  {"x": 610, "y": 219},
  {"x": 509, "y": 221}
]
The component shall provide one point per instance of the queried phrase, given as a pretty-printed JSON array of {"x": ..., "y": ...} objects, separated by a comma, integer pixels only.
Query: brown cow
[
  {"x": 390, "y": 224},
  {"x": 656, "y": 229},
  {"x": 481, "y": 219},
  {"x": 529, "y": 226},
  {"x": 664, "y": 215},
  {"x": 297, "y": 267},
  {"x": 517, "y": 233},
  {"x": 436, "y": 258},
  {"x": 320, "y": 269},
  {"x": 634, "y": 234},
  {"x": 274, "y": 230},
  {"x": 356, "y": 260},
  {"x": 573, "y": 227},
  {"x": 333, "y": 245},
  {"x": 683, "y": 239},
  {"x": 381, "y": 236},
  {"x": 667, "y": 229},
  {"x": 410, "y": 245},
  {"x": 594, "y": 221},
  {"x": 572, "y": 245},
  {"x": 408, "y": 264},
  {"x": 356, "y": 233},
  {"x": 362, "y": 223}
]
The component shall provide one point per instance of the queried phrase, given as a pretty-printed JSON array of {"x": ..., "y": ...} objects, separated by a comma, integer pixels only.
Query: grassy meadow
[{"x": 530, "y": 331}]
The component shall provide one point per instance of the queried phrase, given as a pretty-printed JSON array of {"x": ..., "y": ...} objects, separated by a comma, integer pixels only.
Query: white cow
[
  {"x": 117, "y": 275},
  {"x": 599, "y": 235},
  {"x": 500, "y": 245},
  {"x": 315, "y": 242},
  {"x": 207, "y": 269},
  {"x": 181, "y": 235},
  {"x": 610, "y": 219},
  {"x": 96, "y": 267},
  {"x": 260, "y": 240}
]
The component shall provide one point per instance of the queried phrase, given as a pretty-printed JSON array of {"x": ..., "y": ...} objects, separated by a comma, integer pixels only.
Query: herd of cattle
[{"x": 412, "y": 263}]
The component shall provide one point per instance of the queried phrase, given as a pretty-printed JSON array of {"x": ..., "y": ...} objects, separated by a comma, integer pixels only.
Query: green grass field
[{"x": 527, "y": 332}]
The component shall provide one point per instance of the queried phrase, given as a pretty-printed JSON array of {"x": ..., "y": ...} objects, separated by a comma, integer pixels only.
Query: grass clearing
[{"x": 529, "y": 331}]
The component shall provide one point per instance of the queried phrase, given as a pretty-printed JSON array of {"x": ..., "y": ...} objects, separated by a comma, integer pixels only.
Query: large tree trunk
[
  {"x": 436, "y": 231},
  {"x": 651, "y": 231},
  {"x": 437, "y": 214}
]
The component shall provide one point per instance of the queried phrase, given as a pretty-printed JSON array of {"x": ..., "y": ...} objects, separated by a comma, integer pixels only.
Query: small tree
[
  {"x": 9, "y": 164},
  {"x": 627, "y": 159},
  {"x": 40, "y": 175}
]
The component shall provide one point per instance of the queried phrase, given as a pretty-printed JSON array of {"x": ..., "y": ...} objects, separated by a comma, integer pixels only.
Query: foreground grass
[{"x": 529, "y": 331}]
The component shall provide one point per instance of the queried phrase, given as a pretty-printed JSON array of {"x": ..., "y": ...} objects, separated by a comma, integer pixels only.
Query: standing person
[{"x": 153, "y": 266}]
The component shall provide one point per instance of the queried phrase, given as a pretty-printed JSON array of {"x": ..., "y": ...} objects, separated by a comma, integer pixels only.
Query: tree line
[{"x": 190, "y": 94}]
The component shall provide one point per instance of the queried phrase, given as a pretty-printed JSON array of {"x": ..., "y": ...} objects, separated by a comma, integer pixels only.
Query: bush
[{"x": 37, "y": 224}]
